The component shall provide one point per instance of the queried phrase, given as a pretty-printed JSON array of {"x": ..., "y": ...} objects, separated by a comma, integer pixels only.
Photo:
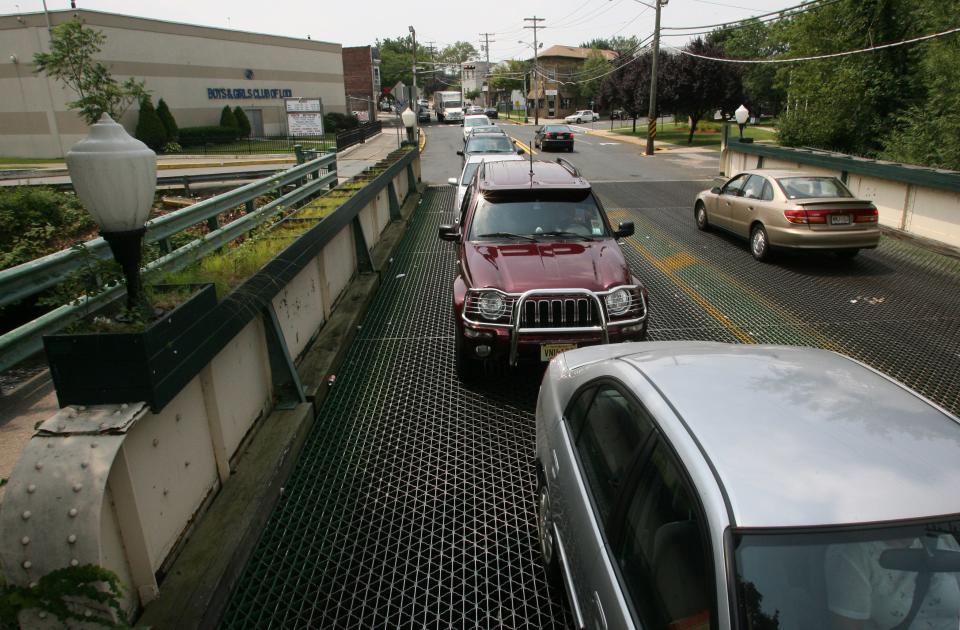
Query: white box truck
[{"x": 449, "y": 106}]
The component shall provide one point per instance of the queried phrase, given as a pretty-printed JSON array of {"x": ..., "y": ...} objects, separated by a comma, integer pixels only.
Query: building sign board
[
  {"x": 246, "y": 93},
  {"x": 303, "y": 105},
  {"x": 304, "y": 116}
]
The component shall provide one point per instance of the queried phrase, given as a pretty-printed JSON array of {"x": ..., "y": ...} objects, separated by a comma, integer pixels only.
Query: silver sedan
[
  {"x": 704, "y": 485},
  {"x": 789, "y": 209}
]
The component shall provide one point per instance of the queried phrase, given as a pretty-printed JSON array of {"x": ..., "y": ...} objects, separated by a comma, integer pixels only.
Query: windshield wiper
[
  {"x": 507, "y": 235},
  {"x": 562, "y": 233}
]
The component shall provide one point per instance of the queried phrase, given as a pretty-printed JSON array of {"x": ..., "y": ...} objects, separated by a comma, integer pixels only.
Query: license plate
[
  {"x": 550, "y": 350},
  {"x": 839, "y": 219}
]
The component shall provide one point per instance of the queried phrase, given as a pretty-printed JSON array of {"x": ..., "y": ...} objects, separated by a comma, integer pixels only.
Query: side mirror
[
  {"x": 452, "y": 181},
  {"x": 449, "y": 233},
  {"x": 460, "y": 153},
  {"x": 461, "y": 124},
  {"x": 715, "y": 190},
  {"x": 624, "y": 229},
  {"x": 520, "y": 151}
]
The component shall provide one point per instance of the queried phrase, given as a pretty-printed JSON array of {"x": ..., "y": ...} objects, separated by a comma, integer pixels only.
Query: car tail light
[
  {"x": 549, "y": 135},
  {"x": 866, "y": 216},
  {"x": 812, "y": 217}
]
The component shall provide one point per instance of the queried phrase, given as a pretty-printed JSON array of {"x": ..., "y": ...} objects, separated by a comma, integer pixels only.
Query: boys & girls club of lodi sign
[{"x": 242, "y": 93}]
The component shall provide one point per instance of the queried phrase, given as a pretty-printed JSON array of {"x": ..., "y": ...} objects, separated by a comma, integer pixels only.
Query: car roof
[
  {"x": 513, "y": 175},
  {"x": 475, "y": 117},
  {"x": 493, "y": 157},
  {"x": 776, "y": 173},
  {"x": 802, "y": 436}
]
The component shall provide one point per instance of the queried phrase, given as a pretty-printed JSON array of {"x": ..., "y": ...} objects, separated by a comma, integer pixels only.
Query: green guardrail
[{"x": 37, "y": 275}]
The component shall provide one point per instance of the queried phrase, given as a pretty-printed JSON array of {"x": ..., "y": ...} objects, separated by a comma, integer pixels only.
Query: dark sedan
[
  {"x": 491, "y": 112},
  {"x": 554, "y": 137}
]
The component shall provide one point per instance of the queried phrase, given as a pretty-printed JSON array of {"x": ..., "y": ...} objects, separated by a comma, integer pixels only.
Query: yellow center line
[
  {"x": 525, "y": 147},
  {"x": 423, "y": 139}
]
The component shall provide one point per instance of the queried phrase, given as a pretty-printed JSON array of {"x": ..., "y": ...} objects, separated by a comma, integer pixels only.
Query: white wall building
[{"x": 195, "y": 69}]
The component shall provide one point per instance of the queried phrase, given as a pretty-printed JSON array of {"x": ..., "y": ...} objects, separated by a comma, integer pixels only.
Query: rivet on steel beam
[
  {"x": 38, "y": 465},
  {"x": 74, "y": 562},
  {"x": 73, "y": 512},
  {"x": 26, "y": 515},
  {"x": 27, "y": 564},
  {"x": 25, "y": 540},
  {"x": 72, "y": 538},
  {"x": 31, "y": 488},
  {"x": 77, "y": 487}
]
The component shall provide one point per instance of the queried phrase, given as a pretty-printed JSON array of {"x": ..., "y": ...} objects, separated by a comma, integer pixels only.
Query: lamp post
[
  {"x": 115, "y": 177},
  {"x": 742, "y": 114},
  {"x": 414, "y": 97},
  {"x": 409, "y": 120}
]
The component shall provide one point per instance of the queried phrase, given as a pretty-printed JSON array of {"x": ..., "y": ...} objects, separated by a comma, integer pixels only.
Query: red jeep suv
[{"x": 539, "y": 268}]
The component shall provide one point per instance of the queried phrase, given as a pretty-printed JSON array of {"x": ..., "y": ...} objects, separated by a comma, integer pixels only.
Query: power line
[
  {"x": 824, "y": 56},
  {"x": 778, "y": 14}
]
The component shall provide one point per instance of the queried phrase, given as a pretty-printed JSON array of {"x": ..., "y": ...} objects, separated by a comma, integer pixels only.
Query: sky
[{"x": 568, "y": 22}]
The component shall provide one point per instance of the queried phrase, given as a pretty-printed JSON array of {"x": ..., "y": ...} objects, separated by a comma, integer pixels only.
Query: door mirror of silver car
[
  {"x": 520, "y": 152},
  {"x": 449, "y": 233},
  {"x": 624, "y": 229},
  {"x": 460, "y": 153},
  {"x": 452, "y": 181},
  {"x": 715, "y": 190}
]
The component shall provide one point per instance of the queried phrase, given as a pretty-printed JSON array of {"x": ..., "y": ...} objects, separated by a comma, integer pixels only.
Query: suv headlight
[
  {"x": 618, "y": 302},
  {"x": 491, "y": 305}
]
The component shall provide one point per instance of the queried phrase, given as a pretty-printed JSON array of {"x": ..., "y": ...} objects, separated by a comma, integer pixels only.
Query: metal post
[
  {"x": 536, "y": 61},
  {"x": 652, "y": 113},
  {"x": 413, "y": 94},
  {"x": 525, "y": 119}
]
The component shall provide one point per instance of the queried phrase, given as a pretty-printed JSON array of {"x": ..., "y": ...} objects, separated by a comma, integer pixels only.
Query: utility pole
[
  {"x": 486, "y": 48},
  {"x": 536, "y": 79},
  {"x": 652, "y": 113}
]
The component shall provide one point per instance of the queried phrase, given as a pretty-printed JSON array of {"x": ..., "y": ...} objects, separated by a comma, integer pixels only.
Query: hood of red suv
[{"x": 521, "y": 266}]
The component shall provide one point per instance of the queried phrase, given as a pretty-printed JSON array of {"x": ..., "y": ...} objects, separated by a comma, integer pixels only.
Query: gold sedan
[{"x": 790, "y": 209}]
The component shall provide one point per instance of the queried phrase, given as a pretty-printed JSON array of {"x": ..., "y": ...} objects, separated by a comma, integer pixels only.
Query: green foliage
[
  {"x": 150, "y": 129},
  {"x": 472, "y": 95},
  {"x": 457, "y": 53},
  {"x": 70, "y": 61},
  {"x": 169, "y": 123},
  {"x": 756, "y": 40},
  {"x": 229, "y": 120},
  {"x": 596, "y": 64},
  {"x": 335, "y": 122},
  {"x": 90, "y": 278},
  {"x": 619, "y": 44},
  {"x": 211, "y": 134},
  {"x": 507, "y": 77},
  {"x": 243, "y": 123},
  {"x": 57, "y": 593},
  {"x": 38, "y": 221},
  {"x": 172, "y": 147}
]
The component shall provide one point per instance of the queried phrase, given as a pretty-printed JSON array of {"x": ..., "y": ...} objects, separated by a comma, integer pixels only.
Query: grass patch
[
  {"x": 708, "y": 134},
  {"x": 229, "y": 269}
]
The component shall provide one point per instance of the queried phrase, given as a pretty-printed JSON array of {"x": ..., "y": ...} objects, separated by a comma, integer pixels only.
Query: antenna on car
[{"x": 531, "y": 161}]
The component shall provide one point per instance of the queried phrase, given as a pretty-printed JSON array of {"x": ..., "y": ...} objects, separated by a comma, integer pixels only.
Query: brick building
[
  {"x": 361, "y": 80},
  {"x": 557, "y": 64}
]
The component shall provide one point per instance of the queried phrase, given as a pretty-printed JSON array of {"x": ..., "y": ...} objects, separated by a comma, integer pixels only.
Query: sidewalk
[{"x": 35, "y": 400}]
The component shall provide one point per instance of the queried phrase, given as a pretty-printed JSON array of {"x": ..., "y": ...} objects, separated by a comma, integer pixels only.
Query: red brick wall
[{"x": 357, "y": 73}]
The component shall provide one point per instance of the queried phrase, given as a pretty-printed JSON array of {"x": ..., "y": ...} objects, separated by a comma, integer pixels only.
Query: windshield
[
  {"x": 556, "y": 129},
  {"x": 812, "y": 187},
  {"x": 451, "y": 104},
  {"x": 854, "y": 578},
  {"x": 499, "y": 144},
  {"x": 538, "y": 214}
]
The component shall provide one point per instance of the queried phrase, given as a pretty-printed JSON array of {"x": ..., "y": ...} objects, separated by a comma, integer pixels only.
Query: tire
[
  {"x": 759, "y": 243},
  {"x": 847, "y": 254},
  {"x": 700, "y": 216},
  {"x": 579, "y": 122},
  {"x": 570, "y": 149},
  {"x": 548, "y": 551},
  {"x": 468, "y": 369}
]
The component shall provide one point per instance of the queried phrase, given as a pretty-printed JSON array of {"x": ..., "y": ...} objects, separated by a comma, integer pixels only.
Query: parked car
[
  {"x": 472, "y": 121},
  {"x": 540, "y": 270},
  {"x": 423, "y": 115},
  {"x": 488, "y": 143},
  {"x": 707, "y": 485},
  {"x": 790, "y": 209},
  {"x": 473, "y": 110},
  {"x": 618, "y": 114},
  {"x": 582, "y": 116},
  {"x": 470, "y": 169},
  {"x": 491, "y": 112},
  {"x": 491, "y": 128},
  {"x": 554, "y": 137}
]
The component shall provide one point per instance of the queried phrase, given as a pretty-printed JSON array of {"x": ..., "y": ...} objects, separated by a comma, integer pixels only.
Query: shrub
[
  {"x": 227, "y": 119},
  {"x": 243, "y": 123},
  {"x": 172, "y": 147},
  {"x": 210, "y": 134},
  {"x": 335, "y": 122},
  {"x": 150, "y": 129},
  {"x": 168, "y": 121},
  {"x": 38, "y": 221}
]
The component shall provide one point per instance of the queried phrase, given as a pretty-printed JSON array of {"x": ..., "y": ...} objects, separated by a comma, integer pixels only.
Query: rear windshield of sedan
[
  {"x": 536, "y": 214},
  {"x": 840, "y": 579},
  {"x": 557, "y": 129},
  {"x": 812, "y": 187},
  {"x": 499, "y": 144}
]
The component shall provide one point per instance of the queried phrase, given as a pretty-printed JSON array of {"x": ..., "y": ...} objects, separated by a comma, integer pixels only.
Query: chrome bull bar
[{"x": 516, "y": 330}]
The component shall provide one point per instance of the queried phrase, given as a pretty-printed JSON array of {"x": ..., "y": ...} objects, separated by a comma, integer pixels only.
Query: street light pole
[
  {"x": 414, "y": 97},
  {"x": 536, "y": 60},
  {"x": 652, "y": 113}
]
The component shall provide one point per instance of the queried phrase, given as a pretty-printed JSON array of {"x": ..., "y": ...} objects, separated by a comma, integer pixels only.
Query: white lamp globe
[
  {"x": 742, "y": 114},
  {"x": 408, "y": 117},
  {"x": 114, "y": 175}
]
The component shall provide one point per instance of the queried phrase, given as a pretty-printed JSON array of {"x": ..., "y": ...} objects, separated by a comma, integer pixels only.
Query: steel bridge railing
[{"x": 356, "y": 136}]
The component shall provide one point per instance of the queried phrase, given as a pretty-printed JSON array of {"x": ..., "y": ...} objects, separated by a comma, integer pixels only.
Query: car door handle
[
  {"x": 600, "y": 616},
  {"x": 749, "y": 207}
]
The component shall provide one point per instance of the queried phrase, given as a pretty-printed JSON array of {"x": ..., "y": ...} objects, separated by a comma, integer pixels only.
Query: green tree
[
  {"x": 756, "y": 40},
  {"x": 457, "y": 53},
  {"x": 243, "y": 123},
  {"x": 150, "y": 129},
  {"x": 590, "y": 76},
  {"x": 508, "y": 76},
  {"x": 169, "y": 123},
  {"x": 619, "y": 44},
  {"x": 70, "y": 61},
  {"x": 228, "y": 119},
  {"x": 472, "y": 95}
]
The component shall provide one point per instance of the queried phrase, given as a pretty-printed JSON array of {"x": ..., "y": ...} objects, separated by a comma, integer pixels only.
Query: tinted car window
[
  {"x": 661, "y": 554},
  {"x": 538, "y": 213},
  {"x": 612, "y": 433},
  {"x": 557, "y": 129},
  {"x": 734, "y": 185},
  {"x": 577, "y": 411},
  {"x": 499, "y": 144},
  {"x": 767, "y": 191},
  {"x": 813, "y": 187},
  {"x": 754, "y": 187}
]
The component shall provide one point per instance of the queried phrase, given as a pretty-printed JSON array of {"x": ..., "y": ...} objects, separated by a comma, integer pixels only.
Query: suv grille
[{"x": 559, "y": 312}]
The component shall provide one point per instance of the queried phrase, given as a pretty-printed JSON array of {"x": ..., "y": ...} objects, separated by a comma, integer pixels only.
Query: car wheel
[
  {"x": 468, "y": 369},
  {"x": 759, "y": 244},
  {"x": 579, "y": 121},
  {"x": 548, "y": 550},
  {"x": 700, "y": 214},
  {"x": 847, "y": 253},
  {"x": 570, "y": 149}
]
